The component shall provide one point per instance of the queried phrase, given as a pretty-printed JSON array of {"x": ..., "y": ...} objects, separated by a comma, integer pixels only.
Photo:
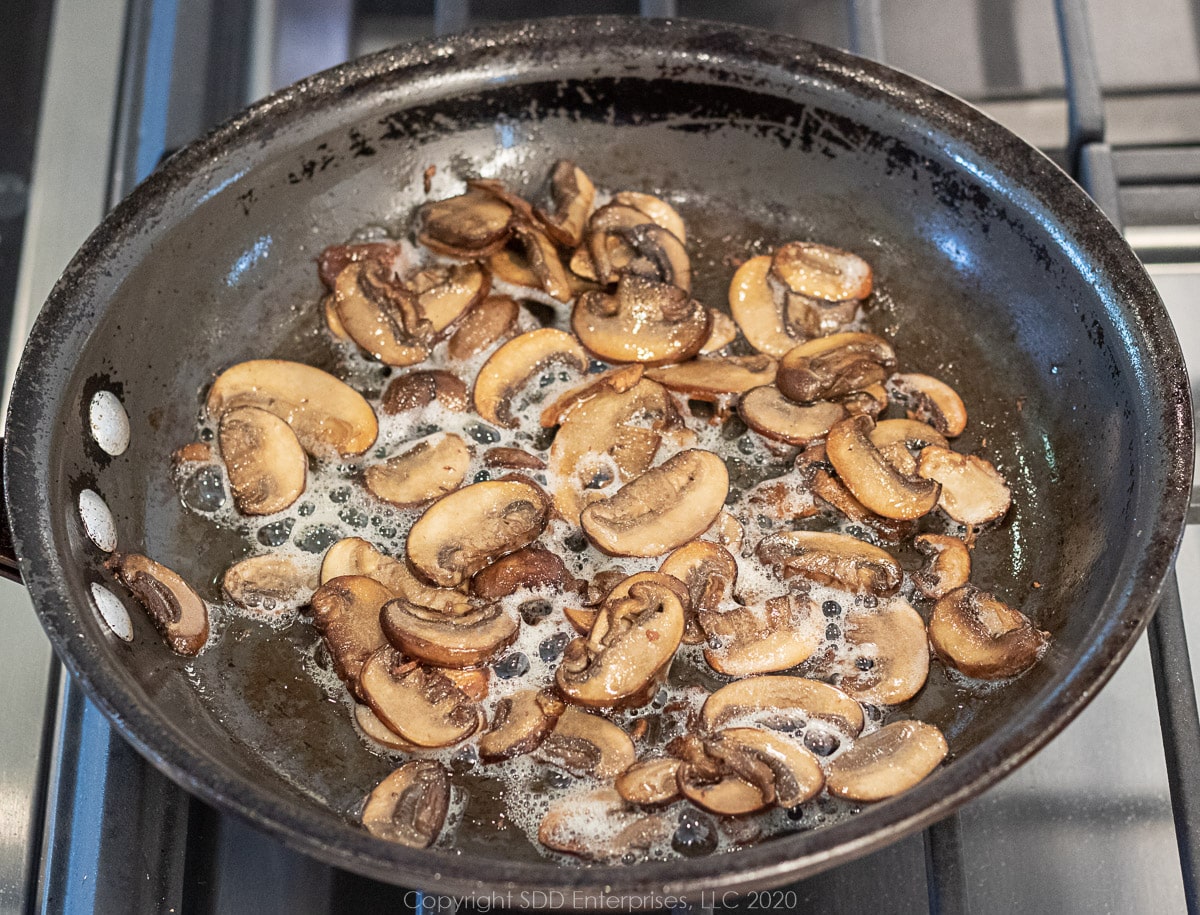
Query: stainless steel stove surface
[{"x": 1105, "y": 819}]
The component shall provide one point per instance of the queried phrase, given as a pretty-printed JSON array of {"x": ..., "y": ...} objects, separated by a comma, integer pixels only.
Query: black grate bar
[
  {"x": 945, "y": 875},
  {"x": 1098, "y": 175},
  {"x": 1180, "y": 729},
  {"x": 1085, "y": 100},
  {"x": 658, "y": 9},
  {"x": 866, "y": 28},
  {"x": 450, "y": 16}
]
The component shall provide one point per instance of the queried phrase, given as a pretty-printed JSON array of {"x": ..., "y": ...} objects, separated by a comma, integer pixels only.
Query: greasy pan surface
[{"x": 996, "y": 273}]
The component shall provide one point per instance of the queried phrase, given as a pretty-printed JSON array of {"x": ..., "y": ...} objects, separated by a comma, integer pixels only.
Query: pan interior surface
[{"x": 994, "y": 273}]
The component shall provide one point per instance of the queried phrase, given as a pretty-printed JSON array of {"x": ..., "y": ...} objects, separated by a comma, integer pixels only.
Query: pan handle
[{"x": 8, "y": 556}]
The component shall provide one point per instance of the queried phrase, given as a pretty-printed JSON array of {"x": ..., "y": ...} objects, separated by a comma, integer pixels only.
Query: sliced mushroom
[
  {"x": 586, "y": 744},
  {"x": 709, "y": 571},
  {"x": 266, "y": 466},
  {"x": 948, "y": 565},
  {"x": 346, "y": 612},
  {"x": 445, "y": 293},
  {"x": 327, "y": 415},
  {"x": 662, "y": 509},
  {"x": 368, "y": 722},
  {"x": 469, "y": 225},
  {"x": 728, "y": 532},
  {"x": 769, "y": 413},
  {"x": 972, "y": 490},
  {"x": 782, "y": 633},
  {"x": 629, "y": 650},
  {"x": 513, "y": 365},
  {"x": 270, "y": 583},
  {"x": 831, "y": 490},
  {"x": 618, "y": 380},
  {"x": 773, "y": 701},
  {"x": 929, "y": 400},
  {"x": 907, "y": 433},
  {"x": 543, "y": 260},
  {"x": 650, "y": 782},
  {"x": 872, "y": 478},
  {"x": 715, "y": 376},
  {"x": 428, "y": 470},
  {"x": 336, "y": 258},
  {"x": 422, "y": 705},
  {"x": 782, "y": 499},
  {"x": 191, "y": 453},
  {"x": 332, "y": 320},
  {"x": 891, "y": 653},
  {"x": 607, "y": 249},
  {"x": 708, "y": 782},
  {"x": 832, "y": 559},
  {"x": 519, "y": 725},
  {"x": 463, "y": 532},
  {"x": 355, "y": 556},
  {"x": 658, "y": 255},
  {"x": 176, "y": 610},
  {"x": 512, "y": 459},
  {"x": 871, "y": 400},
  {"x": 812, "y": 316},
  {"x": 532, "y": 567},
  {"x": 780, "y": 768},
  {"x": 977, "y": 634},
  {"x": 599, "y": 827},
  {"x": 409, "y": 806},
  {"x": 573, "y": 194},
  {"x": 418, "y": 389},
  {"x": 475, "y": 683},
  {"x": 834, "y": 366},
  {"x": 656, "y": 209},
  {"x": 821, "y": 286},
  {"x": 521, "y": 208},
  {"x": 643, "y": 321},
  {"x": 753, "y": 306},
  {"x": 491, "y": 321},
  {"x": 448, "y": 640},
  {"x": 886, "y": 762},
  {"x": 723, "y": 332},
  {"x": 381, "y": 314}
]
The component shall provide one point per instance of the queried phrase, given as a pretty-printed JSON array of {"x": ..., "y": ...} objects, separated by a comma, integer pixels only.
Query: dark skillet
[{"x": 996, "y": 272}]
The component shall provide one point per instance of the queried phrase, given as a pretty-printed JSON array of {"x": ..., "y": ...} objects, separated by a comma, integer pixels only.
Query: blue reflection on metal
[
  {"x": 248, "y": 259},
  {"x": 87, "y": 812},
  {"x": 958, "y": 254},
  {"x": 507, "y": 135},
  {"x": 156, "y": 87},
  {"x": 213, "y": 191}
]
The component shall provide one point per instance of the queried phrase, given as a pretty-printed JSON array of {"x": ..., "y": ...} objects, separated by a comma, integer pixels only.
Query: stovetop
[{"x": 1087, "y": 826}]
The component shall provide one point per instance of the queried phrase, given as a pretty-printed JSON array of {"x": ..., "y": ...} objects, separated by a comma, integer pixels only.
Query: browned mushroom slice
[
  {"x": 831, "y": 490},
  {"x": 821, "y": 271},
  {"x": 832, "y": 559},
  {"x": 447, "y": 640},
  {"x": 650, "y": 782},
  {"x": 974, "y": 632},
  {"x": 782, "y": 633},
  {"x": 368, "y": 722},
  {"x": 886, "y": 762},
  {"x": 715, "y": 376},
  {"x": 519, "y": 725},
  {"x": 662, "y": 509},
  {"x": 891, "y": 653},
  {"x": 643, "y": 321},
  {"x": 191, "y": 453},
  {"x": 599, "y": 827},
  {"x": 522, "y": 208},
  {"x": 327, "y": 415},
  {"x": 336, "y": 258},
  {"x": 381, "y": 314},
  {"x": 871, "y": 400},
  {"x": 332, "y": 319},
  {"x": 512, "y": 459},
  {"x": 728, "y": 532},
  {"x": 709, "y": 572},
  {"x": 753, "y": 306},
  {"x": 629, "y": 650},
  {"x": 409, "y": 806},
  {"x": 428, "y": 470},
  {"x": 531, "y": 567},
  {"x": 587, "y": 744},
  {"x": 469, "y": 225},
  {"x": 175, "y": 609},
  {"x": 769, "y": 413},
  {"x": 573, "y": 194},
  {"x": 948, "y": 565},
  {"x": 656, "y": 209},
  {"x": 619, "y": 380},
  {"x": 833, "y": 366},
  {"x": 543, "y": 260},
  {"x": 872, "y": 478},
  {"x": 772, "y": 701},
  {"x": 475, "y": 683},
  {"x": 657, "y": 255},
  {"x": 708, "y": 782},
  {"x": 446, "y": 293},
  {"x": 266, "y": 466},
  {"x": 723, "y": 332},
  {"x": 461, "y": 533},
  {"x": 346, "y": 612},
  {"x": 777, "y": 766},
  {"x": 615, "y": 584},
  {"x": 355, "y": 556},
  {"x": 783, "y": 499},
  {"x": 270, "y": 583},
  {"x": 422, "y": 705},
  {"x": 514, "y": 364},
  {"x": 929, "y": 400},
  {"x": 488, "y": 323},
  {"x": 606, "y": 248},
  {"x": 812, "y": 316},
  {"x": 417, "y": 389},
  {"x": 972, "y": 490}
]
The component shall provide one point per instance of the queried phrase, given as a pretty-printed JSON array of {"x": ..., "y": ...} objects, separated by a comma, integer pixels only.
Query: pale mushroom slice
[
  {"x": 886, "y": 762},
  {"x": 532, "y": 567},
  {"x": 332, "y": 320},
  {"x": 629, "y": 650},
  {"x": 355, "y": 556},
  {"x": 780, "y": 634},
  {"x": 461, "y": 533},
  {"x": 598, "y": 826},
  {"x": 769, "y": 413},
  {"x": 657, "y": 210},
  {"x": 346, "y": 613},
  {"x": 709, "y": 572},
  {"x": 947, "y": 567},
  {"x": 891, "y": 653},
  {"x": 929, "y": 400},
  {"x": 409, "y": 806},
  {"x": 469, "y": 225},
  {"x": 327, "y": 415},
  {"x": 618, "y": 380},
  {"x": 177, "y": 611},
  {"x": 573, "y": 194},
  {"x": 519, "y": 724},
  {"x": 979, "y": 635},
  {"x": 492, "y": 321},
  {"x": 421, "y": 704},
  {"x": 724, "y": 331},
  {"x": 368, "y": 722},
  {"x": 713, "y": 377},
  {"x": 586, "y": 744},
  {"x": 872, "y": 478},
  {"x": 510, "y": 368},
  {"x": 834, "y": 366},
  {"x": 271, "y": 583},
  {"x": 906, "y": 433},
  {"x": 973, "y": 491},
  {"x": 662, "y": 509},
  {"x": 445, "y": 293},
  {"x": 643, "y": 321},
  {"x": 832, "y": 559},
  {"x": 430, "y": 469},
  {"x": 650, "y": 782},
  {"x": 448, "y": 639},
  {"x": 266, "y": 467},
  {"x": 753, "y": 306},
  {"x": 728, "y": 532},
  {"x": 771, "y": 701},
  {"x": 418, "y": 389},
  {"x": 779, "y": 767}
]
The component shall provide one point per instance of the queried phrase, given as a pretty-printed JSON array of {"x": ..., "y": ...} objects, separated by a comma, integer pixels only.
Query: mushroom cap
[
  {"x": 177, "y": 611},
  {"x": 712, "y": 377},
  {"x": 872, "y": 478},
  {"x": 519, "y": 724},
  {"x": 656, "y": 209},
  {"x": 892, "y": 637},
  {"x": 378, "y": 311},
  {"x": 583, "y": 743},
  {"x": 643, "y": 321},
  {"x": 618, "y": 380},
  {"x": 769, "y": 413},
  {"x": 346, "y": 612},
  {"x": 514, "y": 364},
  {"x": 543, "y": 260},
  {"x": 431, "y": 468},
  {"x": 972, "y": 490},
  {"x": 421, "y": 704},
  {"x": 447, "y": 639},
  {"x": 778, "y": 699},
  {"x": 468, "y": 225},
  {"x": 529, "y": 567},
  {"x": 409, "y": 806},
  {"x": 355, "y": 556},
  {"x": 886, "y": 762},
  {"x": 266, "y": 466},
  {"x": 573, "y": 194},
  {"x": 975, "y": 633},
  {"x": 821, "y": 271},
  {"x": 832, "y": 559}
]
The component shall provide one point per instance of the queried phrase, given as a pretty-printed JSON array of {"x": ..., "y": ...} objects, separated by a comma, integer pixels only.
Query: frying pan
[{"x": 994, "y": 270}]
